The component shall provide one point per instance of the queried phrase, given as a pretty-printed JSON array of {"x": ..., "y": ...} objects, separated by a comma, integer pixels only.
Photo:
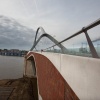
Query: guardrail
[{"x": 83, "y": 30}]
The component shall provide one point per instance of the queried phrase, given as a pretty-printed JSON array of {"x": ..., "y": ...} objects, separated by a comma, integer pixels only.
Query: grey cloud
[
  {"x": 61, "y": 18},
  {"x": 14, "y": 35}
]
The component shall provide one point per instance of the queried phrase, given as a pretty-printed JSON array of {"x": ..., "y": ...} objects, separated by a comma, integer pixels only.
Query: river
[{"x": 11, "y": 67}]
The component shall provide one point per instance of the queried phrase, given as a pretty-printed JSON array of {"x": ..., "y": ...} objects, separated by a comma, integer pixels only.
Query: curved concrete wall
[
  {"x": 81, "y": 73},
  {"x": 51, "y": 84},
  {"x": 29, "y": 71}
]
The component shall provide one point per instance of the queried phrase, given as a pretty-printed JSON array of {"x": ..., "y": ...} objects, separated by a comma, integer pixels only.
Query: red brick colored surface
[{"x": 52, "y": 85}]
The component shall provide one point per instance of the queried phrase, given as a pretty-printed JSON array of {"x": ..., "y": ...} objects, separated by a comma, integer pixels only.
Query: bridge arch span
[{"x": 49, "y": 37}]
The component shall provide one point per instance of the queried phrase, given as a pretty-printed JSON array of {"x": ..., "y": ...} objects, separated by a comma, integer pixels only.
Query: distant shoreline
[{"x": 10, "y": 56}]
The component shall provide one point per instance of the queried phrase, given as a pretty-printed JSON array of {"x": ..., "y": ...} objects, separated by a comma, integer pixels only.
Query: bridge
[
  {"x": 57, "y": 76},
  {"x": 61, "y": 76}
]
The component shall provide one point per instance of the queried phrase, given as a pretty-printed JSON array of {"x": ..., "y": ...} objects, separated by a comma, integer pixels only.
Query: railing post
[{"x": 92, "y": 49}]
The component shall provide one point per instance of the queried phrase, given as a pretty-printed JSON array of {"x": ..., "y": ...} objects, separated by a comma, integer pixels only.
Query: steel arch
[{"x": 48, "y": 36}]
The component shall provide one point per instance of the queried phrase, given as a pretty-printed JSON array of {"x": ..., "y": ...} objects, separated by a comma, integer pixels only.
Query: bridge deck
[{"x": 19, "y": 89}]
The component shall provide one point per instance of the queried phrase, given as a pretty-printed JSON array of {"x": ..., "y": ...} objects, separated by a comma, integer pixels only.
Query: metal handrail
[
  {"x": 77, "y": 33},
  {"x": 83, "y": 30}
]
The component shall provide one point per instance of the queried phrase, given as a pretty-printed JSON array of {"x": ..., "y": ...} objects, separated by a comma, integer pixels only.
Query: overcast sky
[{"x": 60, "y": 18}]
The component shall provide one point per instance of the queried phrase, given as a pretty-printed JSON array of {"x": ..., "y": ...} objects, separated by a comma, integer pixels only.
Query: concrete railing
[
  {"x": 51, "y": 84},
  {"x": 81, "y": 73}
]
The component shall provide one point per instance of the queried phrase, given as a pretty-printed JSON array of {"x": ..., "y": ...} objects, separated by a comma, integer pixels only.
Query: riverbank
[{"x": 19, "y": 89}]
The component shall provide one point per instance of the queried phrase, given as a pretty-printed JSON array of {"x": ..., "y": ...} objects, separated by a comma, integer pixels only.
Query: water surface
[{"x": 11, "y": 67}]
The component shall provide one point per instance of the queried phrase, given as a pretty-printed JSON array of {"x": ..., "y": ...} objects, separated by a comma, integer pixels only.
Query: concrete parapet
[{"x": 81, "y": 73}]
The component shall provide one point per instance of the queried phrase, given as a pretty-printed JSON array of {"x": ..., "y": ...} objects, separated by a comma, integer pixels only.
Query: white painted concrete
[
  {"x": 40, "y": 98},
  {"x": 29, "y": 68},
  {"x": 56, "y": 58},
  {"x": 81, "y": 73}
]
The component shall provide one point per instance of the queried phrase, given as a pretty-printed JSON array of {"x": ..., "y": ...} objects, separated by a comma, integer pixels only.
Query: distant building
[{"x": 12, "y": 52}]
